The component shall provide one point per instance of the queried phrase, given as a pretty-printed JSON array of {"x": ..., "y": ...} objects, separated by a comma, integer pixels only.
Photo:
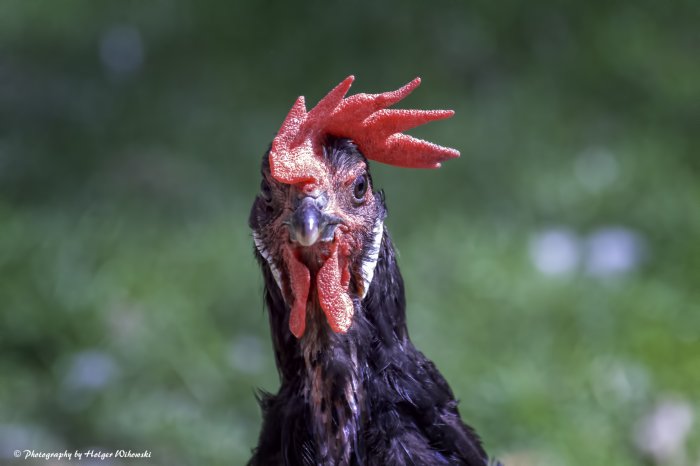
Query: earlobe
[{"x": 369, "y": 261}]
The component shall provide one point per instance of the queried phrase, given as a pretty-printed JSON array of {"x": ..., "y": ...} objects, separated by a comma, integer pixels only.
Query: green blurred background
[{"x": 553, "y": 272}]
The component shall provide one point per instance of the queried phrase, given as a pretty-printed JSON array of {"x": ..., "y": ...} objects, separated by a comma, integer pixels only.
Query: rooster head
[{"x": 317, "y": 222}]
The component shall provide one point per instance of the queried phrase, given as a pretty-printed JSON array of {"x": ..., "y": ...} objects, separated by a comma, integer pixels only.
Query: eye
[
  {"x": 265, "y": 191},
  {"x": 359, "y": 188}
]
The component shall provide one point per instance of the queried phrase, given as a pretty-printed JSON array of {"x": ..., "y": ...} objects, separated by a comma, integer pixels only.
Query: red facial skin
[{"x": 328, "y": 268}]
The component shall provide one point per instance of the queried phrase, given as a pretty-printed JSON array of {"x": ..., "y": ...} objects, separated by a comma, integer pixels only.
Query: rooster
[{"x": 354, "y": 390}]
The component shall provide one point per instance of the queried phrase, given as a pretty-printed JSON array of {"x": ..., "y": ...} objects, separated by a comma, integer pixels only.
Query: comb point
[{"x": 364, "y": 118}]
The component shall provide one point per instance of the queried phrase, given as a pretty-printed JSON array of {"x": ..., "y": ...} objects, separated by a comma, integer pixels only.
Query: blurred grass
[{"x": 130, "y": 304}]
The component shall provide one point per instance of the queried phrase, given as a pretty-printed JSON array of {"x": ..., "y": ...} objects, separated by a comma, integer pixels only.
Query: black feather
[{"x": 406, "y": 413}]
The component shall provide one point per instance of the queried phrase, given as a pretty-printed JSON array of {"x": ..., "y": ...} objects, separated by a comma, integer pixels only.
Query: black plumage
[{"x": 365, "y": 397}]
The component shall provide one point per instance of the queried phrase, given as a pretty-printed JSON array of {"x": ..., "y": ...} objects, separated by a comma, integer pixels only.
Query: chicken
[{"x": 354, "y": 390}]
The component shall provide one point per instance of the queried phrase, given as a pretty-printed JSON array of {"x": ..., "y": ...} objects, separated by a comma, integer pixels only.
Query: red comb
[{"x": 295, "y": 156}]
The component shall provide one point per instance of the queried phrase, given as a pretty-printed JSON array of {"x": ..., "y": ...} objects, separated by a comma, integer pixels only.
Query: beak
[{"x": 308, "y": 223}]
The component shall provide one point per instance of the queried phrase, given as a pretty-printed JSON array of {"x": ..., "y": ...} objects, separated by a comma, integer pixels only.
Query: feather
[{"x": 366, "y": 395}]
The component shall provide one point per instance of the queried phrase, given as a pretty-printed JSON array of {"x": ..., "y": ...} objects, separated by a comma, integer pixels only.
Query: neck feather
[{"x": 330, "y": 370}]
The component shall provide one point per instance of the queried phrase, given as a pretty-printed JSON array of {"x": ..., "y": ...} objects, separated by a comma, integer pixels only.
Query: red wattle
[
  {"x": 300, "y": 283},
  {"x": 332, "y": 284}
]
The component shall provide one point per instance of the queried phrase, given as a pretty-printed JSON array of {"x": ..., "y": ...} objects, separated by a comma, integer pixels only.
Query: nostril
[{"x": 322, "y": 201}]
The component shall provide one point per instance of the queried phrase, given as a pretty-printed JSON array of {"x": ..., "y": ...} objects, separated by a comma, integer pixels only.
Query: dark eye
[
  {"x": 359, "y": 188},
  {"x": 265, "y": 191}
]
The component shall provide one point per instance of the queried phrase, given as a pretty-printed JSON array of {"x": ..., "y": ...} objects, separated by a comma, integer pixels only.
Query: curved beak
[{"x": 309, "y": 223}]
